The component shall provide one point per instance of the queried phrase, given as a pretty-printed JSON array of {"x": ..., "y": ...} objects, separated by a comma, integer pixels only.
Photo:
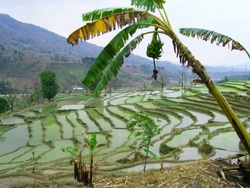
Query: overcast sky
[{"x": 229, "y": 17}]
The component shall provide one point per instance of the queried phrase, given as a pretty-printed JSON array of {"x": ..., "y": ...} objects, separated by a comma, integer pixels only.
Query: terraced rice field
[{"x": 36, "y": 136}]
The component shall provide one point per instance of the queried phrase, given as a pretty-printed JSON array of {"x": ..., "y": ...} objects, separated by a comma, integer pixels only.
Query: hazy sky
[{"x": 229, "y": 17}]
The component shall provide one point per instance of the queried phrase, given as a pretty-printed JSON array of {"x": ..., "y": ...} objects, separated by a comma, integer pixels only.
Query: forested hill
[
  {"x": 26, "y": 50},
  {"x": 29, "y": 37}
]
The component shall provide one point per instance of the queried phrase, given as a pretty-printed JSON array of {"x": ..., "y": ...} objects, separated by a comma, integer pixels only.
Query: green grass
[
  {"x": 165, "y": 102},
  {"x": 50, "y": 120}
]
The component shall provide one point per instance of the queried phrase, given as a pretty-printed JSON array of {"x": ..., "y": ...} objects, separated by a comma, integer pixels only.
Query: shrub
[{"x": 4, "y": 105}]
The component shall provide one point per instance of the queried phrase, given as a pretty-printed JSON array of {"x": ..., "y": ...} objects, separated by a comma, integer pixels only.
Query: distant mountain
[
  {"x": 33, "y": 38},
  {"x": 26, "y": 50}
]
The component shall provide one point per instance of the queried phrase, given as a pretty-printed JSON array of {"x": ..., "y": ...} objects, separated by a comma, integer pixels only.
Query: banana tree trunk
[
  {"x": 186, "y": 56},
  {"x": 224, "y": 105}
]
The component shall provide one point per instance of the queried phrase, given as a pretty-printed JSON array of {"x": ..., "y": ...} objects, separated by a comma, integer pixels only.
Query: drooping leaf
[
  {"x": 70, "y": 150},
  {"x": 110, "y": 51},
  {"x": 105, "y": 20},
  {"x": 93, "y": 142},
  {"x": 213, "y": 37},
  {"x": 151, "y": 153},
  {"x": 114, "y": 66}
]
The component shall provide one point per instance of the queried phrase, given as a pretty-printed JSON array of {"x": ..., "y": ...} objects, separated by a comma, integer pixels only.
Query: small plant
[
  {"x": 148, "y": 129},
  {"x": 80, "y": 169},
  {"x": 2, "y": 138}
]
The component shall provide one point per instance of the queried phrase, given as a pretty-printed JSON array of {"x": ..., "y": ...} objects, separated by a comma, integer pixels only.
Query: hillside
[{"x": 28, "y": 49}]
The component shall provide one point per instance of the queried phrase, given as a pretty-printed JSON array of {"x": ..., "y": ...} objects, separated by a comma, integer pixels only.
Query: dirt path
[{"x": 194, "y": 174}]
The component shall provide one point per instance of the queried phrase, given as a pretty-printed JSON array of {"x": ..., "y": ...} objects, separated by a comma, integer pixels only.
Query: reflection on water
[
  {"x": 72, "y": 107},
  {"x": 120, "y": 142},
  {"x": 171, "y": 93},
  {"x": 15, "y": 138},
  {"x": 12, "y": 121},
  {"x": 183, "y": 138},
  {"x": 228, "y": 141},
  {"x": 189, "y": 154}
]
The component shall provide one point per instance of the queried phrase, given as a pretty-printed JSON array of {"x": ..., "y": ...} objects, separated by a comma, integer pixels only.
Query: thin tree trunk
[
  {"x": 91, "y": 169},
  {"x": 146, "y": 157}
]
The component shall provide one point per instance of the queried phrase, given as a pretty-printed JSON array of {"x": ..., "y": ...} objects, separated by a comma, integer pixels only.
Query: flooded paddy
[{"x": 107, "y": 116}]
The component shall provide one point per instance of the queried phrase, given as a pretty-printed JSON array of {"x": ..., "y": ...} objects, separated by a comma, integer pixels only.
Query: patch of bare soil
[{"x": 200, "y": 174}]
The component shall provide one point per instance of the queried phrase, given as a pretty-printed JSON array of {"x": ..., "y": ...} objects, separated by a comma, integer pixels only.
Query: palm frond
[
  {"x": 207, "y": 35},
  {"x": 106, "y": 20},
  {"x": 114, "y": 66}
]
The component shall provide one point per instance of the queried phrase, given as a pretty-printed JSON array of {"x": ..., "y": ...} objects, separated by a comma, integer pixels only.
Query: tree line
[{"x": 12, "y": 98}]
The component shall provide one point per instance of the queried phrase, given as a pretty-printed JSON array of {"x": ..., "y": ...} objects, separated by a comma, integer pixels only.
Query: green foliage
[
  {"x": 165, "y": 149},
  {"x": 91, "y": 143},
  {"x": 5, "y": 87},
  {"x": 225, "y": 79},
  {"x": 71, "y": 150},
  {"x": 4, "y": 105},
  {"x": 205, "y": 148},
  {"x": 190, "y": 93},
  {"x": 49, "y": 87},
  {"x": 2, "y": 138},
  {"x": 165, "y": 102},
  {"x": 80, "y": 168},
  {"x": 149, "y": 130}
]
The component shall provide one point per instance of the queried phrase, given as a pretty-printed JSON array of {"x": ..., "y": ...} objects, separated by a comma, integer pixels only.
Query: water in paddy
[
  {"x": 216, "y": 128},
  {"x": 53, "y": 132},
  {"x": 122, "y": 113},
  {"x": 78, "y": 128},
  {"x": 28, "y": 114},
  {"x": 12, "y": 121},
  {"x": 186, "y": 121},
  {"x": 119, "y": 137},
  {"x": 118, "y": 101},
  {"x": 56, "y": 152},
  {"x": 103, "y": 123},
  {"x": 12, "y": 142},
  {"x": 171, "y": 93},
  {"x": 133, "y": 94},
  {"x": 183, "y": 138},
  {"x": 189, "y": 153},
  {"x": 11, "y": 156},
  {"x": 173, "y": 122},
  {"x": 148, "y": 105},
  {"x": 116, "y": 122},
  {"x": 220, "y": 117},
  {"x": 37, "y": 133},
  {"x": 66, "y": 126},
  {"x": 134, "y": 99},
  {"x": 72, "y": 107},
  {"x": 130, "y": 107},
  {"x": 120, "y": 142},
  {"x": 228, "y": 141},
  {"x": 83, "y": 116},
  {"x": 201, "y": 118}
]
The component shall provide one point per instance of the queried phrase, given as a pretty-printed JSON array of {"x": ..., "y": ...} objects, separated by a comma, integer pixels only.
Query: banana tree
[{"x": 140, "y": 17}]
